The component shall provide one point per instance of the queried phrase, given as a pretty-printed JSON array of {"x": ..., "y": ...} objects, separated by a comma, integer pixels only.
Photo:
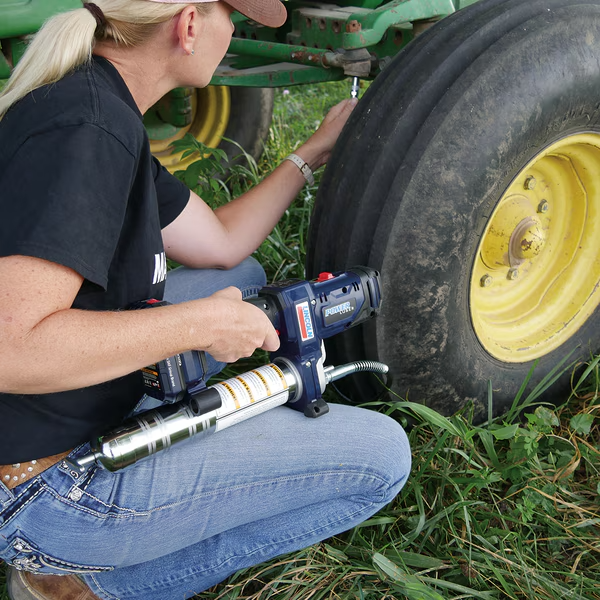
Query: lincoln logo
[{"x": 305, "y": 321}]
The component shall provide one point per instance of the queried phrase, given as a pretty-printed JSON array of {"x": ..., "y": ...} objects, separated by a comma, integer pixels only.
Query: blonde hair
[{"x": 67, "y": 40}]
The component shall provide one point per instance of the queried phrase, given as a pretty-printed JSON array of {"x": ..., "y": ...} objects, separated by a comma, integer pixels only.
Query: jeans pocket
[{"x": 24, "y": 555}]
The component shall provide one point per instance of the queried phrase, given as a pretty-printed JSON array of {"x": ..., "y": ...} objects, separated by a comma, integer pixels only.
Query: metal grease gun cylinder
[{"x": 208, "y": 411}]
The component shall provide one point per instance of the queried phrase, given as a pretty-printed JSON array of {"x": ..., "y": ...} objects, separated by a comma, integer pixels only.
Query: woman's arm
[
  {"x": 46, "y": 346},
  {"x": 200, "y": 237}
]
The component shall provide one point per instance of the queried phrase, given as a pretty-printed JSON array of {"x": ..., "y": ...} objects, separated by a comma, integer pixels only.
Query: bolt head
[
  {"x": 543, "y": 206},
  {"x": 353, "y": 26},
  {"x": 513, "y": 274},
  {"x": 486, "y": 281},
  {"x": 530, "y": 183}
]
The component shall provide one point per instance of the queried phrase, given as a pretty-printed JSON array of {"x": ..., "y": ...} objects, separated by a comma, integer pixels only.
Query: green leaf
[
  {"x": 413, "y": 586},
  {"x": 587, "y": 523},
  {"x": 186, "y": 153},
  {"x": 377, "y": 521},
  {"x": 430, "y": 416},
  {"x": 546, "y": 416},
  {"x": 590, "y": 368},
  {"x": 582, "y": 423},
  {"x": 486, "y": 438},
  {"x": 393, "y": 570},
  {"x": 461, "y": 589},
  {"x": 417, "y": 561},
  {"x": 504, "y": 433},
  {"x": 336, "y": 554},
  {"x": 220, "y": 154},
  {"x": 192, "y": 174},
  {"x": 205, "y": 166}
]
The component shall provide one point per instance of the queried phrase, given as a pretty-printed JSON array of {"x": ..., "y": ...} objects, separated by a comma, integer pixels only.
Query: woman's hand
[
  {"x": 233, "y": 328},
  {"x": 317, "y": 149}
]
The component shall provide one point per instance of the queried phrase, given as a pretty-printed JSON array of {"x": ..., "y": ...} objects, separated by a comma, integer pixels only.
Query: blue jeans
[{"x": 174, "y": 525}]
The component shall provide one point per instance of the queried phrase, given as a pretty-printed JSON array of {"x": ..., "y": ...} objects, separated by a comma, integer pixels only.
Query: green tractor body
[{"x": 320, "y": 42}]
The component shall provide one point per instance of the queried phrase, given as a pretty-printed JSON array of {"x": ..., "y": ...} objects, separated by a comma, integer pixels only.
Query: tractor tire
[
  {"x": 249, "y": 121},
  {"x": 469, "y": 175},
  {"x": 240, "y": 114}
]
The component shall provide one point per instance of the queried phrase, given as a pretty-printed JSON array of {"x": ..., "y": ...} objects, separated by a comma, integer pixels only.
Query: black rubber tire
[
  {"x": 423, "y": 161},
  {"x": 249, "y": 121}
]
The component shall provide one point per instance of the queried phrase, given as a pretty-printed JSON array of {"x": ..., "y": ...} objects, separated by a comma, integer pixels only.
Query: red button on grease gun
[{"x": 304, "y": 313}]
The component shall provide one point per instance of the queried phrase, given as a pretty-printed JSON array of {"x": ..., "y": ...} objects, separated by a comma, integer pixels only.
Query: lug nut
[
  {"x": 513, "y": 274},
  {"x": 543, "y": 206},
  {"x": 530, "y": 183},
  {"x": 486, "y": 281}
]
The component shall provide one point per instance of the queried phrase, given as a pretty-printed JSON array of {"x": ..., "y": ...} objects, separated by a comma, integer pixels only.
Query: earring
[{"x": 193, "y": 52}]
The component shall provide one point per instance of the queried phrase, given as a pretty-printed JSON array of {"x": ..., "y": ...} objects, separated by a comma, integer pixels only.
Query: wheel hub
[
  {"x": 527, "y": 241},
  {"x": 534, "y": 281},
  {"x": 515, "y": 234},
  {"x": 210, "y": 112}
]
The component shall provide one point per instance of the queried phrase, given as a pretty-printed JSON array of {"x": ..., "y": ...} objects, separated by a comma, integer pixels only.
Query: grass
[{"x": 506, "y": 510}]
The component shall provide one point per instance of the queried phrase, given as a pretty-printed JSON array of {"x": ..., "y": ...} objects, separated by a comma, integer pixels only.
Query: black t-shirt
[{"x": 79, "y": 187}]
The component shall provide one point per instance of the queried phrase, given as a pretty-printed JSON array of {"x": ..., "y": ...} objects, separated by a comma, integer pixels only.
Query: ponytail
[
  {"x": 63, "y": 43},
  {"x": 66, "y": 41}
]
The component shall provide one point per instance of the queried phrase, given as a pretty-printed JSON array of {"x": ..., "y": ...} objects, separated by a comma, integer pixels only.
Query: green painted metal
[
  {"x": 365, "y": 29},
  {"x": 313, "y": 57},
  {"x": 4, "y": 67},
  {"x": 172, "y": 111},
  {"x": 246, "y": 63},
  {"x": 17, "y": 49},
  {"x": 364, "y": 4},
  {"x": 395, "y": 38},
  {"x": 319, "y": 26},
  {"x": 294, "y": 54},
  {"x": 463, "y": 3},
  {"x": 157, "y": 128},
  {"x": 21, "y": 17},
  {"x": 277, "y": 75},
  {"x": 10, "y": 54},
  {"x": 255, "y": 63}
]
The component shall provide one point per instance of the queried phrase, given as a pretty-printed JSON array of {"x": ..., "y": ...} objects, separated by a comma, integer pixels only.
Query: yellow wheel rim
[
  {"x": 536, "y": 273},
  {"x": 211, "y": 109}
]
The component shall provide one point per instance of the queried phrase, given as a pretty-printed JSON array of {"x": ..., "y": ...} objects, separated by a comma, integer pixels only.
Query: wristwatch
[{"x": 304, "y": 168}]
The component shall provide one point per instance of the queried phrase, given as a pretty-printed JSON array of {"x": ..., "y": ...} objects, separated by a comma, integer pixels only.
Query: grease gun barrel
[{"x": 211, "y": 410}]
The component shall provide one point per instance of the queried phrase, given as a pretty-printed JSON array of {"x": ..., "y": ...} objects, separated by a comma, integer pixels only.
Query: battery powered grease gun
[{"x": 304, "y": 313}]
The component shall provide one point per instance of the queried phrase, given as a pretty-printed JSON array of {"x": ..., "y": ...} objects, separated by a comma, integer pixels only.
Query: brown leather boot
[{"x": 23, "y": 585}]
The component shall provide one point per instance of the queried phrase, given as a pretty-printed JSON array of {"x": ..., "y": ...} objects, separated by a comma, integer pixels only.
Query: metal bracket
[
  {"x": 316, "y": 409},
  {"x": 297, "y": 63},
  {"x": 355, "y": 63},
  {"x": 367, "y": 29}
]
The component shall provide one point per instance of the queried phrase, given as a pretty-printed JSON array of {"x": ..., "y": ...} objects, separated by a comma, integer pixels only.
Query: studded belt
[{"x": 18, "y": 473}]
